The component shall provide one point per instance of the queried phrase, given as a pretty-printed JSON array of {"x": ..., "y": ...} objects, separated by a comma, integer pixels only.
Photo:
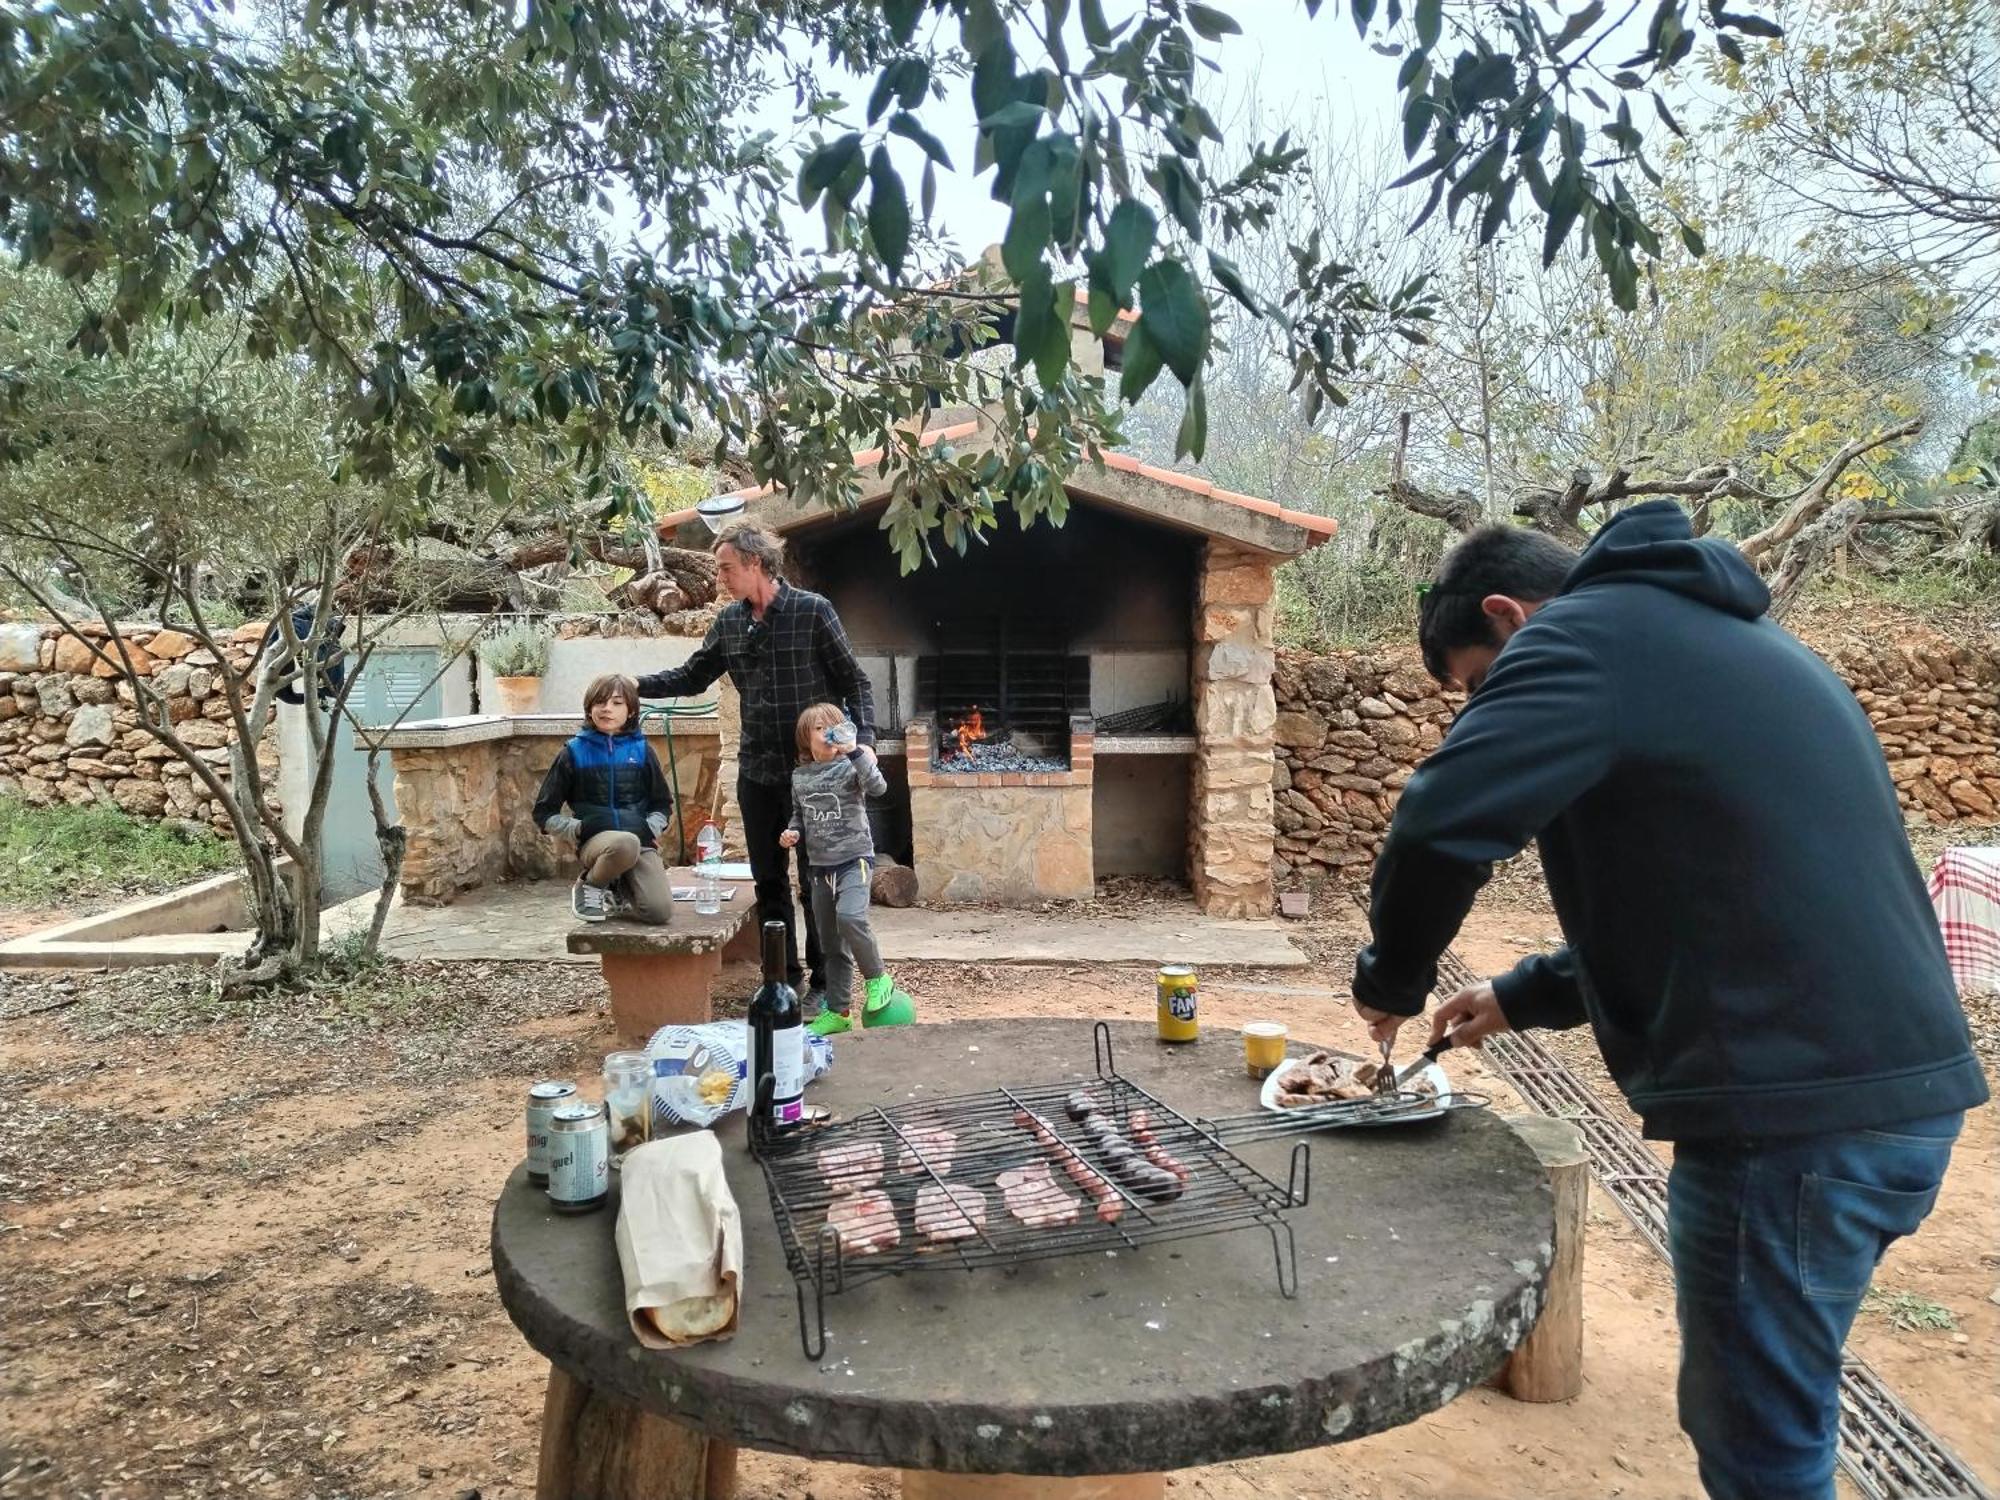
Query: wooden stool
[
  {"x": 595, "y": 1447},
  {"x": 1548, "y": 1365},
  {"x": 922, "y": 1484}
]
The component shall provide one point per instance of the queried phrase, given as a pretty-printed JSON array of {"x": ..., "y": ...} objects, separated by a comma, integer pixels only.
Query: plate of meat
[{"x": 1332, "y": 1078}]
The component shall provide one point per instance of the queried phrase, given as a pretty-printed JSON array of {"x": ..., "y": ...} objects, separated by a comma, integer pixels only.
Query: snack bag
[{"x": 701, "y": 1073}]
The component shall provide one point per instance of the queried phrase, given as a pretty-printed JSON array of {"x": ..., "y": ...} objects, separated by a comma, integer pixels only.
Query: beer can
[
  {"x": 579, "y": 1158},
  {"x": 544, "y": 1099},
  {"x": 1178, "y": 1022}
]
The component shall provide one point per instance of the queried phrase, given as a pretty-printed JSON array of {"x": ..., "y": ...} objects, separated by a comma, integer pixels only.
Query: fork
[{"x": 1385, "y": 1076}]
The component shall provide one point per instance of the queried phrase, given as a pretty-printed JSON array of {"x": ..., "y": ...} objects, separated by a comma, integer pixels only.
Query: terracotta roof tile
[{"x": 1318, "y": 528}]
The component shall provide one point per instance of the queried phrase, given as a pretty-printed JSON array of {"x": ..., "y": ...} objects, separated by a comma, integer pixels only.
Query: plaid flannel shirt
[{"x": 794, "y": 657}]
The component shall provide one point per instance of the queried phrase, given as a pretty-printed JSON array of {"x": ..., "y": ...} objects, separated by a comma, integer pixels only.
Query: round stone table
[{"x": 1422, "y": 1253}]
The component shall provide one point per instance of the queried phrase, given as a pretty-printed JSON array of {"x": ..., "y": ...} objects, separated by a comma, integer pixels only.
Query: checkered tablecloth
[{"x": 1965, "y": 889}]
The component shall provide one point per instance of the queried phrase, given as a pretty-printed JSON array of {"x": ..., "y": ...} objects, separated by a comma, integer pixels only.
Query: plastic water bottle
[{"x": 708, "y": 870}]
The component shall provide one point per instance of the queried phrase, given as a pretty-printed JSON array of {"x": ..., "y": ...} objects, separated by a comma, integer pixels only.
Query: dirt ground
[{"x": 243, "y": 1249}]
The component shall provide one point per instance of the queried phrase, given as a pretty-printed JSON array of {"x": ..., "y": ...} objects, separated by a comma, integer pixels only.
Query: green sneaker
[
  {"x": 829, "y": 1023},
  {"x": 879, "y": 989},
  {"x": 898, "y": 1010}
]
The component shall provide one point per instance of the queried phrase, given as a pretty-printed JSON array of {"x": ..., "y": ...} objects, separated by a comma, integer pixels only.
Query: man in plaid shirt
[{"x": 784, "y": 650}]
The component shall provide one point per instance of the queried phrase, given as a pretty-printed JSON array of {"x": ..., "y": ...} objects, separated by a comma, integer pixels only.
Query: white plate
[{"x": 1432, "y": 1074}]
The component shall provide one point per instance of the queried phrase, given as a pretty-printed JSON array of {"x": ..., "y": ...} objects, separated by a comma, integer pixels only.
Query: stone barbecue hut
[{"x": 1065, "y": 703}]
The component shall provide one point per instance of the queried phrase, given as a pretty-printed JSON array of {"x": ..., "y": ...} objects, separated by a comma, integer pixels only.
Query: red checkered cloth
[{"x": 1965, "y": 889}]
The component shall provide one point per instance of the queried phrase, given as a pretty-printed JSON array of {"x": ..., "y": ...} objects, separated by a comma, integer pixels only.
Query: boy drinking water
[{"x": 830, "y": 788}]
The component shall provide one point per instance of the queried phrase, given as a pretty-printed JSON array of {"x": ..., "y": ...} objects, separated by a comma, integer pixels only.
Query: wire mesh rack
[{"x": 1006, "y": 1177}]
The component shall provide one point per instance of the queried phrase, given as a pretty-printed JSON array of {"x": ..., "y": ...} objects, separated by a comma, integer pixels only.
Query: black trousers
[{"x": 766, "y": 811}]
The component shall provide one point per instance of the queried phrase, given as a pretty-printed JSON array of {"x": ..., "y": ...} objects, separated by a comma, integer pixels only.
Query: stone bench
[{"x": 662, "y": 976}]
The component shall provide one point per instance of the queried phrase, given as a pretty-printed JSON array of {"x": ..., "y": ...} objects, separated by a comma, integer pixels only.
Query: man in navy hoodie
[{"x": 1747, "y": 935}]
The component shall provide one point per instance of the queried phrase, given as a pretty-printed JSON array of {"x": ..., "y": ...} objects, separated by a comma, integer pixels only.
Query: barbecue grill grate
[{"x": 1222, "y": 1192}]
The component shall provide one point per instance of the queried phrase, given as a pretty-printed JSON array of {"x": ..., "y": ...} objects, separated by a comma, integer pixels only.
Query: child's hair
[
  {"x": 816, "y": 720},
  {"x": 612, "y": 685}
]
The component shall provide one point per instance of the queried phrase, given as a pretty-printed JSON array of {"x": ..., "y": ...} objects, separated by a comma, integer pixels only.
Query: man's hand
[
  {"x": 1382, "y": 1025},
  {"x": 788, "y": 839},
  {"x": 1471, "y": 1016}
]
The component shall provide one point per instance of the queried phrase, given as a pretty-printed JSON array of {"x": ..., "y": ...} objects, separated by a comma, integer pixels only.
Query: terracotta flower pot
[{"x": 517, "y": 695}]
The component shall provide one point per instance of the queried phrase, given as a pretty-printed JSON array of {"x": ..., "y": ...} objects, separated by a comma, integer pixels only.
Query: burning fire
[{"x": 971, "y": 729}]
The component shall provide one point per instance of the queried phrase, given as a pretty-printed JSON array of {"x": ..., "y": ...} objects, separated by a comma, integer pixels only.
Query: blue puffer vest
[{"x": 611, "y": 781}]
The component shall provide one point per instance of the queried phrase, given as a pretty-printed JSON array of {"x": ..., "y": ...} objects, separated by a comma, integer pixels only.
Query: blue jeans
[{"x": 1773, "y": 1243}]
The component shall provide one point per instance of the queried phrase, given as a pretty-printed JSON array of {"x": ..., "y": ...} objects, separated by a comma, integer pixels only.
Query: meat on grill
[
  {"x": 949, "y": 1212},
  {"x": 1147, "y": 1178},
  {"x": 1158, "y": 1155},
  {"x": 929, "y": 1146},
  {"x": 1109, "y": 1206},
  {"x": 851, "y": 1167},
  {"x": 865, "y": 1222},
  {"x": 1033, "y": 1196}
]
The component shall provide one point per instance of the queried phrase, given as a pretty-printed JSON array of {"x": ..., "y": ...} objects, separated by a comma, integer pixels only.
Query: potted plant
[{"x": 517, "y": 654}]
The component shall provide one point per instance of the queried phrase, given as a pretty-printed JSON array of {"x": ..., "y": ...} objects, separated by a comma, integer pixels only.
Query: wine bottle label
[{"x": 788, "y": 1071}]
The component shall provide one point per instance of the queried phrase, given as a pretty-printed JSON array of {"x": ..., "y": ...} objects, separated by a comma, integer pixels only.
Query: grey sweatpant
[{"x": 840, "y": 913}]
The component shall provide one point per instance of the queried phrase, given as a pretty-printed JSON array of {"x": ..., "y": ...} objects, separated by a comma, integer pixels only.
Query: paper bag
[{"x": 680, "y": 1241}]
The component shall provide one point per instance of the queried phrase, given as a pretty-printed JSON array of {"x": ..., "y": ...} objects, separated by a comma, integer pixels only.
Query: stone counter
[{"x": 465, "y": 789}]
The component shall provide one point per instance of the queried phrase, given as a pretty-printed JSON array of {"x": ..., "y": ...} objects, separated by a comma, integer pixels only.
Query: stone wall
[
  {"x": 1936, "y": 709},
  {"x": 69, "y": 727},
  {"x": 1352, "y": 726}
]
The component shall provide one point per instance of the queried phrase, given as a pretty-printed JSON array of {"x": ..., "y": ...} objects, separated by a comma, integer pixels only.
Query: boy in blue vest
[{"x": 618, "y": 807}]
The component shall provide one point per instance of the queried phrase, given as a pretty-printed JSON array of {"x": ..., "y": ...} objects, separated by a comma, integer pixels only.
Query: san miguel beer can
[
  {"x": 579, "y": 1158},
  {"x": 544, "y": 1099},
  {"x": 1177, "y": 1003}
]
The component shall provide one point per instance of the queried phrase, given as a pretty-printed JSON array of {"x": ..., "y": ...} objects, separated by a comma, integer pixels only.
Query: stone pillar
[
  {"x": 449, "y": 799},
  {"x": 1235, "y": 715}
]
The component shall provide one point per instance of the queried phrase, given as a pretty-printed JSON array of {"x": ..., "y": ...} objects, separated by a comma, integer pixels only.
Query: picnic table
[
  {"x": 661, "y": 976},
  {"x": 1422, "y": 1254}
]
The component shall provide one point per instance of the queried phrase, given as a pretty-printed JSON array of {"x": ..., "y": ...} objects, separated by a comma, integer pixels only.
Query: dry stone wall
[
  {"x": 69, "y": 728},
  {"x": 1353, "y": 725}
]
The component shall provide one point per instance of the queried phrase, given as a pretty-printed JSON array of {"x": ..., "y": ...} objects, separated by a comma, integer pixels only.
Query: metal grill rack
[{"x": 812, "y": 1170}]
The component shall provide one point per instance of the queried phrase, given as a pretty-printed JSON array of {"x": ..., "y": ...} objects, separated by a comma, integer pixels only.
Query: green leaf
[
  {"x": 1034, "y": 315},
  {"x": 929, "y": 198},
  {"x": 823, "y": 167},
  {"x": 1030, "y": 225},
  {"x": 1175, "y": 316},
  {"x": 888, "y": 212},
  {"x": 1103, "y": 308},
  {"x": 1430, "y": 22},
  {"x": 1624, "y": 280},
  {"x": 1142, "y": 364},
  {"x": 1691, "y": 237},
  {"x": 1231, "y": 281},
  {"x": 907, "y": 126},
  {"x": 1013, "y": 115},
  {"x": 1577, "y": 25},
  {"x": 1096, "y": 30},
  {"x": 1212, "y": 23},
  {"x": 1128, "y": 240},
  {"x": 1364, "y": 16},
  {"x": 1192, "y": 439},
  {"x": 1052, "y": 354},
  {"x": 1566, "y": 200},
  {"x": 902, "y": 16}
]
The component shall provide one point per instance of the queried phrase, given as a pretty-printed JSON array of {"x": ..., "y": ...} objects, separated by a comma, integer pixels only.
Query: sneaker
[
  {"x": 590, "y": 902},
  {"x": 879, "y": 990},
  {"x": 898, "y": 1010},
  {"x": 829, "y": 1023}
]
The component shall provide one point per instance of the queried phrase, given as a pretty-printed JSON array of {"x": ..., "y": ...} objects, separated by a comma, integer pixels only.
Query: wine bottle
[{"x": 777, "y": 1039}]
